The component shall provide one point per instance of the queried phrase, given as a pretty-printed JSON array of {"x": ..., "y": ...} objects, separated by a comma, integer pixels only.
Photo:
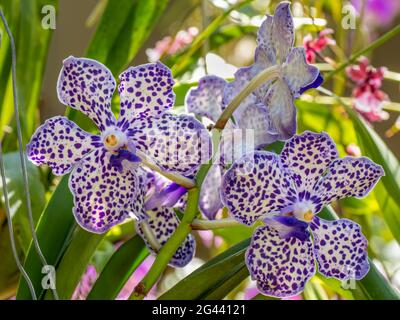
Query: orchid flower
[
  {"x": 275, "y": 48},
  {"x": 368, "y": 98},
  {"x": 314, "y": 46},
  {"x": 287, "y": 192},
  {"x": 206, "y": 100},
  {"x": 104, "y": 179}
]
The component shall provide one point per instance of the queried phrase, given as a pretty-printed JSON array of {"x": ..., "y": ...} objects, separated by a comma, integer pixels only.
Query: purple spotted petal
[
  {"x": 176, "y": 143},
  {"x": 266, "y": 49},
  {"x": 281, "y": 266},
  {"x": 232, "y": 89},
  {"x": 298, "y": 74},
  {"x": 340, "y": 249},
  {"x": 163, "y": 222},
  {"x": 236, "y": 142},
  {"x": 209, "y": 198},
  {"x": 87, "y": 85},
  {"x": 60, "y": 143},
  {"x": 282, "y": 111},
  {"x": 257, "y": 185},
  {"x": 283, "y": 31},
  {"x": 256, "y": 117},
  {"x": 102, "y": 194},
  {"x": 137, "y": 207},
  {"x": 347, "y": 177},
  {"x": 206, "y": 99},
  {"x": 307, "y": 156},
  {"x": 145, "y": 91},
  {"x": 276, "y": 34}
]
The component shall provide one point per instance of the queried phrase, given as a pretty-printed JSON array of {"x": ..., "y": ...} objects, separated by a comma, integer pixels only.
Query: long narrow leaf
[{"x": 118, "y": 269}]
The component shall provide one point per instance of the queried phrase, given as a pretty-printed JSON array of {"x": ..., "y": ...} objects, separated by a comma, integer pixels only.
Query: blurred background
[{"x": 194, "y": 38}]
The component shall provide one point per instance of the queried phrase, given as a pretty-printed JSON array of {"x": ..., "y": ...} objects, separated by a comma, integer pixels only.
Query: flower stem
[
  {"x": 168, "y": 250},
  {"x": 267, "y": 74},
  {"x": 377, "y": 43},
  {"x": 214, "y": 224},
  {"x": 181, "y": 180},
  {"x": 150, "y": 236}
]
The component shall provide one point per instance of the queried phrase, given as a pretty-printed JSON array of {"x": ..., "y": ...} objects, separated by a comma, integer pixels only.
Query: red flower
[
  {"x": 368, "y": 98},
  {"x": 314, "y": 46}
]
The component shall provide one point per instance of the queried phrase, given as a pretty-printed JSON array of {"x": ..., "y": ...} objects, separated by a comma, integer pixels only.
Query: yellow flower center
[
  {"x": 111, "y": 140},
  {"x": 308, "y": 216}
]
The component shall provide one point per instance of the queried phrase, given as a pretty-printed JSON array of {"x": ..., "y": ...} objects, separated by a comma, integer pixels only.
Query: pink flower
[
  {"x": 137, "y": 276},
  {"x": 170, "y": 45},
  {"x": 209, "y": 239},
  {"x": 353, "y": 150},
  {"x": 370, "y": 107},
  {"x": 85, "y": 285},
  {"x": 314, "y": 46},
  {"x": 368, "y": 98}
]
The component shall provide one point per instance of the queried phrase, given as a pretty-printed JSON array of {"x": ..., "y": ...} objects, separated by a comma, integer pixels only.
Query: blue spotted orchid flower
[
  {"x": 161, "y": 197},
  {"x": 103, "y": 180},
  {"x": 286, "y": 192},
  {"x": 275, "y": 40},
  {"x": 206, "y": 100}
]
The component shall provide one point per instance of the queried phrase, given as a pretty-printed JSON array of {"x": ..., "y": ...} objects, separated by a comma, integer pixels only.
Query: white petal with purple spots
[
  {"x": 283, "y": 31},
  {"x": 282, "y": 111},
  {"x": 87, "y": 85},
  {"x": 347, "y": 177},
  {"x": 175, "y": 143},
  {"x": 280, "y": 266},
  {"x": 307, "y": 156},
  {"x": 257, "y": 185},
  {"x": 256, "y": 117},
  {"x": 297, "y": 73},
  {"x": 276, "y": 34},
  {"x": 206, "y": 99},
  {"x": 266, "y": 51},
  {"x": 102, "y": 195},
  {"x": 340, "y": 249},
  {"x": 163, "y": 222},
  {"x": 137, "y": 206},
  {"x": 209, "y": 198},
  {"x": 60, "y": 143},
  {"x": 242, "y": 78},
  {"x": 145, "y": 91}
]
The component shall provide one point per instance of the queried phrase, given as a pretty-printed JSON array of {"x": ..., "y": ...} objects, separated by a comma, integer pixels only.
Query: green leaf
[
  {"x": 9, "y": 273},
  {"x": 32, "y": 42},
  {"x": 214, "y": 278},
  {"x": 53, "y": 232},
  {"x": 15, "y": 187},
  {"x": 110, "y": 26},
  {"x": 141, "y": 21},
  {"x": 118, "y": 269},
  {"x": 74, "y": 262}
]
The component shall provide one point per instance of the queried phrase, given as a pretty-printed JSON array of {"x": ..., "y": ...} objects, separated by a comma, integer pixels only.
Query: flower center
[
  {"x": 289, "y": 227},
  {"x": 304, "y": 211},
  {"x": 114, "y": 139}
]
